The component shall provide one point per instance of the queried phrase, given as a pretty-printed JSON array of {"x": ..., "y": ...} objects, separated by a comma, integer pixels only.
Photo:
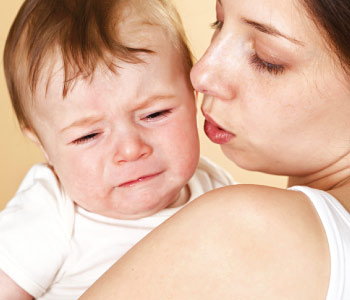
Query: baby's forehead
[
  {"x": 55, "y": 73},
  {"x": 142, "y": 35},
  {"x": 51, "y": 83},
  {"x": 127, "y": 90}
]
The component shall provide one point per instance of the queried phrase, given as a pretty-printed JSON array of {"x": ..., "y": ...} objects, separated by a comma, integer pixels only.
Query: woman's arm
[{"x": 240, "y": 242}]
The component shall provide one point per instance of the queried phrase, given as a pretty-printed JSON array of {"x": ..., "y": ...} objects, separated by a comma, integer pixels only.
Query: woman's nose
[
  {"x": 212, "y": 75},
  {"x": 131, "y": 148}
]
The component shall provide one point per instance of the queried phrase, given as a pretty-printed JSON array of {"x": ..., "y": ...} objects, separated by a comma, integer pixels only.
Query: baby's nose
[{"x": 131, "y": 148}]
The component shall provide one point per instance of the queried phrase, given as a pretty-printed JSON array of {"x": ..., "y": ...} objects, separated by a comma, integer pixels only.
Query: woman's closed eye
[
  {"x": 86, "y": 138},
  {"x": 217, "y": 25},
  {"x": 255, "y": 60},
  {"x": 262, "y": 65}
]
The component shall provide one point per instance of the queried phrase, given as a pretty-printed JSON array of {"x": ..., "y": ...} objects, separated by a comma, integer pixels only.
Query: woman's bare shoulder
[
  {"x": 259, "y": 199},
  {"x": 272, "y": 230},
  {"x": 251, "y": 190},
  {"x": 274, "y": 213},
  {"x": 250, "y": 242},
  {"x": 278, "y": 215}
]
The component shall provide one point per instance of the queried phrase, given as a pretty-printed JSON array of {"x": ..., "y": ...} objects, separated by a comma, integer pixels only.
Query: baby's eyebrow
[
  {"x": 82, "y": 122},
  {"x": 269, "y": 29},
  {"x": 154, "y": 98}
]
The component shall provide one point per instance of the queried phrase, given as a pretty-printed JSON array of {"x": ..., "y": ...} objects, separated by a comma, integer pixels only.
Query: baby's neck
[{"x": 182, "y": 198}]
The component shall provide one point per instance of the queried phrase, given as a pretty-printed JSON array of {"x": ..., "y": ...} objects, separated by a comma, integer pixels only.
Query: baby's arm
[{"x": 10, "y": 290}]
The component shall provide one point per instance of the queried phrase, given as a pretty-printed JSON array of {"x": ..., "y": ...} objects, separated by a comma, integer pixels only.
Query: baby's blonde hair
[{"x": 85, "y": 34}]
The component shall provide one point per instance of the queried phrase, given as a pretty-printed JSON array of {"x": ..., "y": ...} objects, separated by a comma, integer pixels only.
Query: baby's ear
[{"x": 29, "y": 133}]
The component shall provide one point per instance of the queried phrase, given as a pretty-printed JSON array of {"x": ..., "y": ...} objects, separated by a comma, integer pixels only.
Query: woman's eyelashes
[
  {"x": 86, "y": 138},
  {"x": 255, "y": 60},
  {"x": 262, "y": 65},
  {"x": 217, "y": 25}
]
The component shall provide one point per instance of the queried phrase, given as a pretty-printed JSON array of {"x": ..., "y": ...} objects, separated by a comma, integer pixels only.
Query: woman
[{"x": 277, "y": 99}]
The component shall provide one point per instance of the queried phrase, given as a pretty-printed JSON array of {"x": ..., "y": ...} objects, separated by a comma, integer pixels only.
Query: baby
[{"x": 103, "y": 88}]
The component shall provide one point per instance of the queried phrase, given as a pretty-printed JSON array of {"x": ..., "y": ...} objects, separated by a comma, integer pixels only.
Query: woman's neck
[{"x": 332, "y": 177}]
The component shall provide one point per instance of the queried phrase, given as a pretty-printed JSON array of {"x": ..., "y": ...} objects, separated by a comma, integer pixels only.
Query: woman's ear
[{"x": 29, "y": 133}]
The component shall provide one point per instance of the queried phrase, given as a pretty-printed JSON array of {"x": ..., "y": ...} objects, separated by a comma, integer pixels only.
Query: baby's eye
[
  {"x": 85, "y": 138},
  {"x": 157, "y": 115},
  {"x": 262, "y": 65}
]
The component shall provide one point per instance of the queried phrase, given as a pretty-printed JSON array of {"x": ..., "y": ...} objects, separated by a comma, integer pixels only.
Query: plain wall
[{"x": 17, "y": 153}]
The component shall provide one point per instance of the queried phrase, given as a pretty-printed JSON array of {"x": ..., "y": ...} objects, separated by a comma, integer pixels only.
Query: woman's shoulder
[
  {"x": 269, "y": 231},
  {"x": 252, "y": 190},
  {"x": 288, "y": 210},
  {"x": 264, "y": 198},
  {"x": 277, "y": 214}
]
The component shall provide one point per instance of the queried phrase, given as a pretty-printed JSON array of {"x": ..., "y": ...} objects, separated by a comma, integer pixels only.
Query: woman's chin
[{"x": 246, "y": 161}]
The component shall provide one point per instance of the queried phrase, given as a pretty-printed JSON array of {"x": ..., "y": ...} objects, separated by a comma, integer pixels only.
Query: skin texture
[
  {"x": 12, "y": 290},
  {"x": 293, "y": 111},
  {"x": 117, "y": 128},
  {"x": 108, "y": 133},
  {"x": 284, "y": 96}
]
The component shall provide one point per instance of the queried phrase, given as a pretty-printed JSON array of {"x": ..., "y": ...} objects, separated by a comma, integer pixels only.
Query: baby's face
[{"x": 123, "y": 145}]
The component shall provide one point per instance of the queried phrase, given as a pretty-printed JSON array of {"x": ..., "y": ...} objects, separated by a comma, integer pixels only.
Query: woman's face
[{"x": 272, "y": 84}]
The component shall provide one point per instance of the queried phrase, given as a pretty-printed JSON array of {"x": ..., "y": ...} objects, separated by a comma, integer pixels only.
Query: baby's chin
[
  {"x": 138, "y": 206},
  {"x": 182, "y": 197}
]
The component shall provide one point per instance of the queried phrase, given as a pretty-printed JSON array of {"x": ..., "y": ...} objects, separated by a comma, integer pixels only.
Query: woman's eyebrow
[{"x": 268, "y": 29}]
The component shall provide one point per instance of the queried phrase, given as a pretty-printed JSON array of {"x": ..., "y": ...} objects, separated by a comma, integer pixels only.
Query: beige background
[{"x": 17, "y": 153}]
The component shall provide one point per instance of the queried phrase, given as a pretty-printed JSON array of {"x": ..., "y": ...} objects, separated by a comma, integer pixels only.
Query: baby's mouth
[{"x": 139, "y": 180}]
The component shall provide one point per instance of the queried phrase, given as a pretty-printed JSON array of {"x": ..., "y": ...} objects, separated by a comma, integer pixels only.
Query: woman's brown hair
[{"x": 333, "y": 16}]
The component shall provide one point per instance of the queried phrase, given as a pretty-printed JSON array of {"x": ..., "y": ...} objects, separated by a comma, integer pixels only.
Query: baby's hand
[{"x": 10, "y": 290}]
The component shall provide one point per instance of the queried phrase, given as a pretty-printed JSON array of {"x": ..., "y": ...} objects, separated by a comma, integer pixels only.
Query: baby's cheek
[
  {"x": 188, "y": 164},
  {"x": 79, "y": 179}
]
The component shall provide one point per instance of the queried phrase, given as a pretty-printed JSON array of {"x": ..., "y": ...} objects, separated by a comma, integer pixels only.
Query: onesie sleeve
[
  {"x": 34, "y": 232},
  {"x": 208, "y": 176},
  {"x": 218, "y": 176}
]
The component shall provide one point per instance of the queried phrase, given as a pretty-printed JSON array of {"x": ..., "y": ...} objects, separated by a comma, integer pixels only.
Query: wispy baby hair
[{"x": 84, "y": 34}]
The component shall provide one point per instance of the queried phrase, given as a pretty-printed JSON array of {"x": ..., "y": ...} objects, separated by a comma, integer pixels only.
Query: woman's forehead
[
  {"x": 288, "y": 18},
  {"x": 286, "y": 14}
]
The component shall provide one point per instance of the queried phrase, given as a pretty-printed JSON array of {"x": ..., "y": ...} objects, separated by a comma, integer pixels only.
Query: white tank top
[{"x": 336, "y": 222}]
